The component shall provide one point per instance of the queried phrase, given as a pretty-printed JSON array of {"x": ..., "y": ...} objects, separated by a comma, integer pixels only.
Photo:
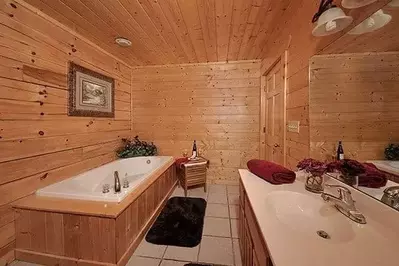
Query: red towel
[
  {"x": 180, "y": 161},
  {"x": 372, "y": 177},
  {"x": 271, "y": 172}
]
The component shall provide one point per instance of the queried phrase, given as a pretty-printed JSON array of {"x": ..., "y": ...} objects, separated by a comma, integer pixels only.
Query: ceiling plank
[
  {"x": 88, "y": 30},
  {"x": 253, "y": 15},
  {"x": 172, "y": 12},
  {"x": 192, "y": 21},
  {"x": 272, "y": 13},
  {"x": 146, "y": 24},
  {"x": 207, "y": 14},
  {"x": 224, "y": 14},
  {"x": 241, "y": 9},
  {"x": 152, "y": 54},
  {"x": 154, "y": 11}
]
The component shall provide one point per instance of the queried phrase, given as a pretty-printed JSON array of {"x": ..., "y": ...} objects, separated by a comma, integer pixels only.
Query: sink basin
[{"x": 308, "y": 214}]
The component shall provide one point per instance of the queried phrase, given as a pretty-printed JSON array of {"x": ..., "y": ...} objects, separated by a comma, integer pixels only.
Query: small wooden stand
[{"x": 193, "y": 173}]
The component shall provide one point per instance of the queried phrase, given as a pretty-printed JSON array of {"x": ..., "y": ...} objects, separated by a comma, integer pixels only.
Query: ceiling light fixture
[
  {"x": 351, "y": 4},
  {"x": 123, "y": 42},
  {"x": 330, "y": 19},
  {"x": 394, "y": 3},
  {"x": 376, "y": 21}
]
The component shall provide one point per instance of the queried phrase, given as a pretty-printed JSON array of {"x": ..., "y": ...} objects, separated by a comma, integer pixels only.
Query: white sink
[{"x": 307, "y": 215}]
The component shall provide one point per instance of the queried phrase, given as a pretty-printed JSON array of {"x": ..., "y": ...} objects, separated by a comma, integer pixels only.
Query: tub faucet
[
  {"x": 344, "y": 203},
  {"x": 117, "y": 185}
]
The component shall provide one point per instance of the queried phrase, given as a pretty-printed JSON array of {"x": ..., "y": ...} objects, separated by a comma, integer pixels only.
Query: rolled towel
[
  {"x": 271, "y": 172},
  {"x": 372, "y": 177}
]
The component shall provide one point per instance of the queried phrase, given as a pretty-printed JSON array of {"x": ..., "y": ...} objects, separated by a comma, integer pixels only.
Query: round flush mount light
[
  {"x": 351, "y": 4},
  {"x": 123, "y": 42},
  {"x": 331, "y": 21},
  {"x": 376, "y": 21}
]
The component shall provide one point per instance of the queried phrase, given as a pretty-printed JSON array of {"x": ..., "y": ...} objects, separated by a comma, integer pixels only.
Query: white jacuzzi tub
[{"x": 89, "y": 185}]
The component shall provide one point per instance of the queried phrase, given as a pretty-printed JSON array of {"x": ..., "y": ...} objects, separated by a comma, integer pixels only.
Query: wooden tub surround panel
[{"x": 51, "y": 238}]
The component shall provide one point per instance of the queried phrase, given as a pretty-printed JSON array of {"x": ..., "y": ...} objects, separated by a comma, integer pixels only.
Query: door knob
[{"x": 276, "y": 145}]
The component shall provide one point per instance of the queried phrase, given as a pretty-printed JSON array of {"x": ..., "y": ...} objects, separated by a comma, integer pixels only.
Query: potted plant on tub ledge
[{"x": 136, "y": 148}]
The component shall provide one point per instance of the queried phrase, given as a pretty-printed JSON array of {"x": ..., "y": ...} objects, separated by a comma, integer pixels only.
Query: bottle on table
[
  {"x": 340, "y": 151},
  {"x": 195, "y": 153}
]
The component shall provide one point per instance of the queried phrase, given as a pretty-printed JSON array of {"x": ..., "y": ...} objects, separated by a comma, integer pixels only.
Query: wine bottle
[
  {"x": 195, "y": 153},
  {"x": 340, "y": 151}
]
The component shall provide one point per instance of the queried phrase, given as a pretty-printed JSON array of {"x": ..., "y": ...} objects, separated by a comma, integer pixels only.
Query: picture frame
[{"x": 91, "y": 94}]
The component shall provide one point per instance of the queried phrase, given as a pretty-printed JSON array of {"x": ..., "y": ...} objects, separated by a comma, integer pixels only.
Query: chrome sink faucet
[
  {"x": 344, "y": 203},
  {"x": 117, "y": 184}
]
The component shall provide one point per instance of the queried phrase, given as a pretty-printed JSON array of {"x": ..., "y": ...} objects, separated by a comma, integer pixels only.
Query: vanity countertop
[
  {"x": 289, "y": 218},
  {"x": 391, "y": 167}
]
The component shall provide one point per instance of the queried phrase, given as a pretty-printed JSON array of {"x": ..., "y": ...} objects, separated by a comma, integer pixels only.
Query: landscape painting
[{"x": 90, "y": 93}]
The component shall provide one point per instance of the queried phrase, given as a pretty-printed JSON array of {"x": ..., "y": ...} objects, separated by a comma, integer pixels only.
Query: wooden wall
[
  {"x": 39, "y": 143},
  {"x": 354, "y": 98},
  {"x": 216, "y": 104},
  {"x": 294, "y": 34}
]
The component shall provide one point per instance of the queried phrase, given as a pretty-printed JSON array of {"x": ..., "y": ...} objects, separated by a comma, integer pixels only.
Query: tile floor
[{"x": 219, "y": 243}]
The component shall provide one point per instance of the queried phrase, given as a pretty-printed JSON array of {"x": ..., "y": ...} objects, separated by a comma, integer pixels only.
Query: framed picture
[{"x": 90, "y": 93}]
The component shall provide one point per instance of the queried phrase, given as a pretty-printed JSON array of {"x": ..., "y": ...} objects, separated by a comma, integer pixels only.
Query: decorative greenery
[
  {"x": 315, "y": 167},
  {"x": 392, "y": 152},
  {"x": 135, "y": 148}
]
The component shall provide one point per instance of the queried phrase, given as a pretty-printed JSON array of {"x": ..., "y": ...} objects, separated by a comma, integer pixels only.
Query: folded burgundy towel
[
  {"x": 271, "y": 172},
  {"x": 180, "y": 161},
  {"x": 372, "y": 177}
]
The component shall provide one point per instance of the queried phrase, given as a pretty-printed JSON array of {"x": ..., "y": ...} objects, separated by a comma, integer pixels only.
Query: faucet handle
[{"x": 339, "y": 188}]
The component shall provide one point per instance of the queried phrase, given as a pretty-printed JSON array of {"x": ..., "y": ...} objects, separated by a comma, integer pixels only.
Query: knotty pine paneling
[
  {"x": 354, "y": 98},
  {"x": 216, "y": 104},
  {"x": 292, "y": 32},
  {"x": 39, "y": 143}
]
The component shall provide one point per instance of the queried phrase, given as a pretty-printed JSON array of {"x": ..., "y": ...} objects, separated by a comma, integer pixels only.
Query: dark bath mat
[{"x": 179, "y": 224}]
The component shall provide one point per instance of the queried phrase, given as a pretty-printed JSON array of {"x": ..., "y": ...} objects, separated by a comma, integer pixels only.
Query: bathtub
[{"x": 89, "y": 185}]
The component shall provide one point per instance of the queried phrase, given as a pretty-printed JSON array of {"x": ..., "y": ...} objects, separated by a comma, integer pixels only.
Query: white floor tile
[
  {"x": 22, "y": 263},
  {"x": 216, "y": 250},
  {"x": 217, "y": 210},
  {"x": 217, "y": 189},
  {"x": 233, "y": 190},
  {"x": 217, "y": 198},
  {"x": 234, "y": 209},
  {"x": 234, "y": 228},
  {"x": 173, "y": 263},
  {"x": 237, "y": 254},
  {"x": 234, "y": 199},
  {"x": 141, "y": 261},
  {"x": 216, "y": 227},
  {"x": 182, "y": 253},
  {"x": 197, "y": 193},
  {"x": 178, "y": 192},
  {"x": 146, "y": 249}
]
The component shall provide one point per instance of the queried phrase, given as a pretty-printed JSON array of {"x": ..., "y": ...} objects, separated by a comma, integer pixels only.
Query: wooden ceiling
[{"x": 172, "y": 31}]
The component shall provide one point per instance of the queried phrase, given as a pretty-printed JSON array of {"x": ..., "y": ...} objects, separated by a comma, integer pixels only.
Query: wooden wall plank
[
  {"x": 39, "y": 143},
  {"x": 215, "y": 104}
]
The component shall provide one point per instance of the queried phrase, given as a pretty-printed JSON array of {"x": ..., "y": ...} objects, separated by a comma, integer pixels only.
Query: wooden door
[{"x": 274, "y": 86}]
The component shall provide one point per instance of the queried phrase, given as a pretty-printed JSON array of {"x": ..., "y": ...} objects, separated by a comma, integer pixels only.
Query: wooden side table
[{"x": 193, "y": 173}]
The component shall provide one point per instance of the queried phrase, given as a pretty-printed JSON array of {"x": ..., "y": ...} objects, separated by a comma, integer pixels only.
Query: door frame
[{"x": 262, "y": 125}]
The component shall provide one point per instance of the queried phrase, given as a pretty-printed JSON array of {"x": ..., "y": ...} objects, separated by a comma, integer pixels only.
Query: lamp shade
[
  {"x": 331, "y": 21},
  {"x": 376, "y": 21},
  {"x": 350, "y": 4},
  {"x": 394, "y": 3}
]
